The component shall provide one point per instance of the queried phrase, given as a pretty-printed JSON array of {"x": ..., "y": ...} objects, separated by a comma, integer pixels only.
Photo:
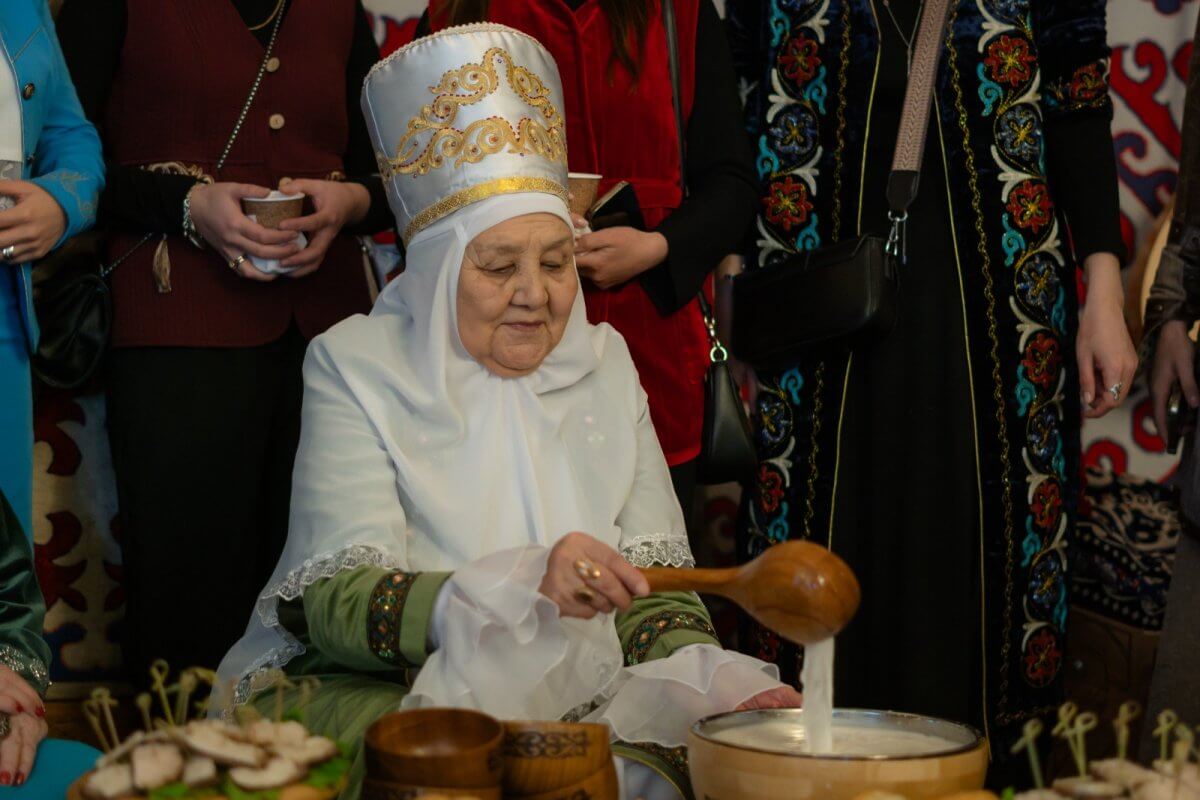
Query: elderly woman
[{"x": 477, "y": 472}]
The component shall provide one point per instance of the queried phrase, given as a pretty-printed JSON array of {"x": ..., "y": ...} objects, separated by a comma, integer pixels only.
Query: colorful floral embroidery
[
  {"x": 1047, "y": 504},
  {"x": 1010, "y": 60},
  {"x": 1029, "y": 205},
  {"x": 1086, "y": 88},
  {"x": 1034, "y": 579},
  {"x": 799, "y": 60},
  {"x": 384, "y": 612},
  {"x": 770, "y": 487},
  {"x": 654, "y": 626},
  {"x": 1042, "y": 360},
  {"x": 1043, "y": 658},
  {"x": 787, "y": 203},
  {"x": 1019, "y": 132},
  {"x": 794, "y": 133}
]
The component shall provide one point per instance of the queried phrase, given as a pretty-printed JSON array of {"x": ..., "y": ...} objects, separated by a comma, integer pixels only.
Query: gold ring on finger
[
  {"x": 1115, "y": 390},
  {"x": 237, "y": 262},
  {"x": 585, "y": 595},
  {"x": 586, "y": 569}
]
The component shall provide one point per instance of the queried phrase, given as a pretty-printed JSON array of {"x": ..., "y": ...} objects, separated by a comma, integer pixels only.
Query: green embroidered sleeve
[
  {"x": 660, "y": 624},
  {"x": 372, "y": 619}
]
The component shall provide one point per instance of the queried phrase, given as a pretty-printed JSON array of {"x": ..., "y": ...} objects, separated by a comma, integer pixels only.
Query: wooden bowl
[
  {"x": 546, "y": 756},
  {"x": 387, "y": 790},
  {"x": 772, "y": 765},
  {"x": 600, "y": 785},
  {"x": 447, "y": 747}
]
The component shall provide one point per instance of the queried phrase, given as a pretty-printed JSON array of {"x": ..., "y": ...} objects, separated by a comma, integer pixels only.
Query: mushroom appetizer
[{"x": 210, "y": 759}]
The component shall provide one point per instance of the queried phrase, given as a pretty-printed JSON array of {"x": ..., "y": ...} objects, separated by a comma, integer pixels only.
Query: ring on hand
[
  {"x": 5, "y": 726},
  {"x": 237, "y": 262},
  {"x": 1115, "y": 390},
  {"x": 586, "y": 569},
  {"x": 8, "y": 252},
  {"x": 585, "y": 595}
]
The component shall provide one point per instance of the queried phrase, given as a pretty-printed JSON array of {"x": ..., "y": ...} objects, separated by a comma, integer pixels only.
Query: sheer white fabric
[{"x": 414, "y": 456}]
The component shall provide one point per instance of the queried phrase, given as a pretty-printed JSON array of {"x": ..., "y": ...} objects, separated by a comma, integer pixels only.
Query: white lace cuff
[{"x": 658, "y": 550}]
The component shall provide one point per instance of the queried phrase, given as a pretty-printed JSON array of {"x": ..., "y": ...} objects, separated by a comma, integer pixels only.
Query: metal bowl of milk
[{"x": 749, "y": 755}]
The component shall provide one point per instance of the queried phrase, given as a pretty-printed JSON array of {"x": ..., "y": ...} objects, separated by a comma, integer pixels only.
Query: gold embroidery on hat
[
  {"x": 482, "y": 191},
  {"x": 542, "y": 136}
]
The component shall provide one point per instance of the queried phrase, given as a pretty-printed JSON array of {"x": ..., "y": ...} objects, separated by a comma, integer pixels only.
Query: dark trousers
[{"x": 203, "y": 442}]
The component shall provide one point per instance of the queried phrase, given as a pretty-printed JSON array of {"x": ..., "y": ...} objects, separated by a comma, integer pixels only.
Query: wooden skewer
[
  {"x": 309, "y": 685},
  {"x": 1028, "y": 741},
  {"x": 282, "y": 684},
  {"x": 187, "y": 685},
  {"x": 103, "y": 698},
  {"x": 1180, "y": 753},
  {"x": 800, "y": 590},
  {"x": 1084, "y": 724},
  {"x": 159, "y": 671},
  {"x": 144, "y": 702},
  {"x": 92, "y": 713},
  {"x": 1167, "y": 719},
  {"x": 1127, "y": 713}
]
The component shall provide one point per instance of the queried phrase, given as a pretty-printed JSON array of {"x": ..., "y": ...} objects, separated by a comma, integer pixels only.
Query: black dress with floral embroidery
[{"x": 942, "y": 461}]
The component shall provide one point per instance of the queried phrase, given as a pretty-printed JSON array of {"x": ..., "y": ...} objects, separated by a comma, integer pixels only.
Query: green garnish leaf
[
  {"x": 324, "y": 776},
  {"x": 234, "y": 792},
  {"x": 295, "y": 715}
]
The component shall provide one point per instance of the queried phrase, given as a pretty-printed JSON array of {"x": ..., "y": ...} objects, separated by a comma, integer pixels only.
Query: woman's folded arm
[{"x": 369, "y": 619}]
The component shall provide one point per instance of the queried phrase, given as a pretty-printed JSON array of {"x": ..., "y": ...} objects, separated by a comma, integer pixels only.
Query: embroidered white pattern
[{"x": 657, "y": 549}]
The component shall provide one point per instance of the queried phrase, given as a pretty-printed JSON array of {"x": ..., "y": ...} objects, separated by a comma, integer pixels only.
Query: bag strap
[
  {"x": 918, "y": 98},
  {"x": 717, "y": 351},
  {"x": 237, "y": 128}
]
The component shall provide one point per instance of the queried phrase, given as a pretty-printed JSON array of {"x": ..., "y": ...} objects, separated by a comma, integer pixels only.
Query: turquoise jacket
[{"x": 62, "y": 149}]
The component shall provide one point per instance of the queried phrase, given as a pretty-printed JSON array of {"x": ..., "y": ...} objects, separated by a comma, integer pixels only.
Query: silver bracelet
[{"x": 189, "y": 227}]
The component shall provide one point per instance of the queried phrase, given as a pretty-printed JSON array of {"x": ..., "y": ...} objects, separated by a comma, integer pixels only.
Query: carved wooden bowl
[
  {"x": 446, "y": 747},
  {"x": 729, "y": 759},
  {"x": 542, "y": 757}
]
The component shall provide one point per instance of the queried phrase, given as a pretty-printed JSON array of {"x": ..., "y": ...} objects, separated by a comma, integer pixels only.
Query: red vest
[
  {"x": 627, "y": 132},
  {"x": 186, "y": 69}
]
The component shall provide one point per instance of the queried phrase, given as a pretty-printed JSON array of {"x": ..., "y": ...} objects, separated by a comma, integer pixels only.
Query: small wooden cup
[
  {"x": 387, "y": 790},
  {"x": 600, "y": 785},
  {"x": 584, "y": 187},
  {"x": 270, "y": 211},
  {"x": 542, "y": 757},
  {"x": 447, "y": 747}
]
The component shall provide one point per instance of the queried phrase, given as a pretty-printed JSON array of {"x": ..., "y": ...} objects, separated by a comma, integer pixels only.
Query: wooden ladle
[{"x": 800, "y": 590}]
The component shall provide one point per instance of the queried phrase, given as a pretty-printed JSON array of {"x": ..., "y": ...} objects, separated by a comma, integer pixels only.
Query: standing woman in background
[
  {"x": 612, "y": 55},
  {"x": 204, "y": 383},
  {"x": 942, "y": 460},
  {"x": 51, "y": 172}
]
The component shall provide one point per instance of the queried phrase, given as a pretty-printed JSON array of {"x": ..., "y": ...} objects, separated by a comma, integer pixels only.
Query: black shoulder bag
[
  {"x": 727, "y": 451},
  {"x": 848, "y": 293}
]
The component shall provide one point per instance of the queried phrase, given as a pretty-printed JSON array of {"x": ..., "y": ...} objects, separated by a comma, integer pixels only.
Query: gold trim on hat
[
  {"x": 542, "y": 135},
  {"x": 482, "y": 191}
]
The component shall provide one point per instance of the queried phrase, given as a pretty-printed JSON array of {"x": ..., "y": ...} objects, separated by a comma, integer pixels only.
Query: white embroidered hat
[{"x": 468, "y": 113}]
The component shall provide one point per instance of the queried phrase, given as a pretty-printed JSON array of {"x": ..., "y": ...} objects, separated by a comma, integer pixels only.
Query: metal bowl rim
[{"x": 978, "y": 739}]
